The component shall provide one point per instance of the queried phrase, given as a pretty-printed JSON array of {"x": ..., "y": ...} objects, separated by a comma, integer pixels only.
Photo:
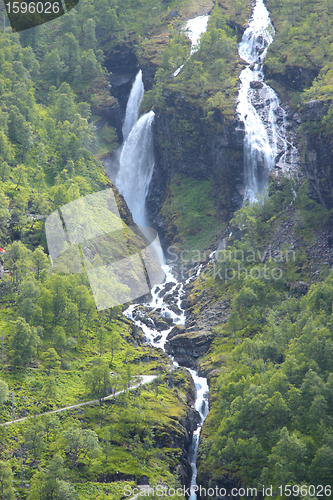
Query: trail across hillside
[{"x": 145, "y": 379}]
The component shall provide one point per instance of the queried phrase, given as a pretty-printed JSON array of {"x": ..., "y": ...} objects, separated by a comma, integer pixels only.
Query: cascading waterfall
[
  {"x": 133, "y": 178},
  {"x": 133, "y": 104},
  {"x": 201, "y": 405},
  {"x": 161, "y": 302},
  {"x": 136, "y": 167},
  {"x": 265, "y": 143},
  {"x": 194, "y": 29}
]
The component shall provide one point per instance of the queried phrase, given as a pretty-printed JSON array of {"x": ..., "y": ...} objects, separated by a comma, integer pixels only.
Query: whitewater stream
[
  {"x": 136, "y": 166},
  {"x": 194, "y": 28},
  {"x": 266, "y": 141}
]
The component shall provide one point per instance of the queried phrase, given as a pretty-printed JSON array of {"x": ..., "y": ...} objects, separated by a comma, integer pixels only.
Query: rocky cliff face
[
  {"x": 122, "y": 64},
  {"x": 294, "y": 77},
  {"x": 186, "y": 142},
  {"x": 317, "y": 153}
]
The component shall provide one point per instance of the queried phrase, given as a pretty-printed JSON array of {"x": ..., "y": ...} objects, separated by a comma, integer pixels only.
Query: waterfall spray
[
  {"x": 136, "y": 167},
  {"x": 265, "y": 141},
  {"x": 133, "y": 104}
]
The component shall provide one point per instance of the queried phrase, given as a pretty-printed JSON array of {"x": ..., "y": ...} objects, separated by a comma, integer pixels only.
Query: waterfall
[
  {"x": 194, "y": 29},
  {"x": 166, "y": 300},
  {"x": 133, "y": 104},
  {"x": 136, "y": 167},
  {"x": 201, "y": 405},
  {"x": 133, "y": 178},
  {"x": 265, "y": 143}
]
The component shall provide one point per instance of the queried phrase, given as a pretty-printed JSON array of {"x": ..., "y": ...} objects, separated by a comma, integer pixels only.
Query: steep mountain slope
[{"x": 259, "y": 314}]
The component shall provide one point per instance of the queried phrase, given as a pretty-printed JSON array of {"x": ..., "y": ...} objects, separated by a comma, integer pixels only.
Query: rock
[
  {"x": 216, "y": 154},
  {"x": 167, "y": 287},
  {"x": 317, "y": 155},
  {"x": 161, "y": 325},
  {"x": 294, "y": 77},
  {"x": 123, "y": 66},
  {"x": 175, "y": 309},
  {"x": 186, "y": 347},
  {"x": 299, "y": 288},
  {"x": 177, "y": 330},
  {"x": 256, "y": 85}
]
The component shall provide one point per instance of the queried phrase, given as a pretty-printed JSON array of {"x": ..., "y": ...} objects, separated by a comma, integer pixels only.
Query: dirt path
[{"x": 145, "y": 379}]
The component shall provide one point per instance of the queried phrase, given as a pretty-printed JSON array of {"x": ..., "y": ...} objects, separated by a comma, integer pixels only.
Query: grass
[{"x": 191, "y": 210}]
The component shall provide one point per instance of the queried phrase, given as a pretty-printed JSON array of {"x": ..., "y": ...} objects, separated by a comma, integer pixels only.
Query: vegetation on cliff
[
  {"x": 270, "y": 365},
  {"x": 57, "y": 349},
  {"x": 271, "y": 375}
]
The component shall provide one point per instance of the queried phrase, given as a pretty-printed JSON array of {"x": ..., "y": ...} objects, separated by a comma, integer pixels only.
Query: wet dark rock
[
  {"x": 174, "y": 308},
  {"x": 168, "y": 320},
  {"x": 167, "y": 288},
  {"x": 256, "y": 85},
  {"x": 123, "y": 66},
  {"x": 177, "y": 330},
  {"x": 186, "y": 347}
]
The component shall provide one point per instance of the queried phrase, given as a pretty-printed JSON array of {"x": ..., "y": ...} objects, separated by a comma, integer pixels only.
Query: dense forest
[{"x": 269, "y": 360}]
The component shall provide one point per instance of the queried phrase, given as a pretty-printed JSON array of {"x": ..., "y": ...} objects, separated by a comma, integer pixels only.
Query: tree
[
  {"x": 19, "y": 130},
  {"x": 23, "y": 342},
  {"x": 51, "y": 484},
  {"x": 51, "y": 360},
  {"x": 4, "y": 214},
  {"x": 27, "y": 298},
  {"x": 90, "y": 66},
  {"x": 59, "y": 337},
  {"x": 83, "y": 301},
  {"x": 89, "y": 40},
  {"x": 287, "y": 461},
  {"x": 50, "y": 391},
  {"x": 3, "y": 391},
  {"x": 4, "y": 170},
  {"x": 57, "y": 286},
  {"x": 40, "y": 261},
  {"x": 15, "y": 260},
  {"x": 70, "y": 54},
  {"x": 80, "y": 443},
  {"x": 34, "y": 437},
  {"x": 114, "y": 343},
  {"x": 52, "y": 67},
  {"x": 6, "y": 482},
  {"x": 98, "y": 381},
  {"x": 6, "y": 150},
  {"x": 64, "y": 107},
  {"x": 321, "y": 466}
]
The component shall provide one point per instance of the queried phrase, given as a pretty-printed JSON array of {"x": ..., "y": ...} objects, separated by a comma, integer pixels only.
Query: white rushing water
[
  {"x": 133, "y": 104},
  {"x": 194, "y": 29},
  {"x": 201, "y": 405},
  {"x": 265, "y": 143},
  {"x": 166, "y": 300},
  {"x": 133, "y": 178},
  {"x": 136, "y": 167}
]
